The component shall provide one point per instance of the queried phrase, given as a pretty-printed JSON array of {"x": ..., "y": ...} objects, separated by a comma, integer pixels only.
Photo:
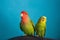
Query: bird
[
  {"x": 26, "y": 24},
  {"x": 40, "y": 26}
]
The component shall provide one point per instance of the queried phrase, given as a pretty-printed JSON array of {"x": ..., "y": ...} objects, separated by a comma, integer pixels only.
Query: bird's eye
[
  {"x": 26, "y": 14},
  {"x": 42, "y": 19}
]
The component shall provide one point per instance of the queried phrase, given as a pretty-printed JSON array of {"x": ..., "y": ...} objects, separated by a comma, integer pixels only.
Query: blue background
[{"x": 10, "y": 16}]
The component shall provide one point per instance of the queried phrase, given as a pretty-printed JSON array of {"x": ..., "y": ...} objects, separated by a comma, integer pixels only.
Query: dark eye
[
  {"x": 43, "y": 20},
  {"x": 26, "y": 14}
]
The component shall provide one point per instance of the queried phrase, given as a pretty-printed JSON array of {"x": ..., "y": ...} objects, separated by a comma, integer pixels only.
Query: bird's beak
[{"x": 21, "y": 14}]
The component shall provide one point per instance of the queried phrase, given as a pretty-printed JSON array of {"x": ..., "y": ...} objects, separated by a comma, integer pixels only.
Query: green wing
[
  {"x": 33, "y": 26},
  {"x": 21, "y": 26},
  {"x": 45, "y": 32},
  {"x": 32, "y": 23}
]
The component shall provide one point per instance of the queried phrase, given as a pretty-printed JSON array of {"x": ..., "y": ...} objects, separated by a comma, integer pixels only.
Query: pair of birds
[{"x": 28, "y": 27}]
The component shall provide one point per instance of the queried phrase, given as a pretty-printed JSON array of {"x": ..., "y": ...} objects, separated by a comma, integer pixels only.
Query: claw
[
  {"x": 37, "y": 35},
  {"x": 25, "y": 35}
]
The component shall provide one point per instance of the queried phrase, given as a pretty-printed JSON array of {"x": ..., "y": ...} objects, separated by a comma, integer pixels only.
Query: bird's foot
[
  {"x": 25, "y": 35},
  {"x": 37, "y": 35}
]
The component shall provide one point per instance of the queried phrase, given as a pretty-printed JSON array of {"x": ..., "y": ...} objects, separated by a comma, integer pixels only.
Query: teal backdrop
[{"x": 10, "y": 16}]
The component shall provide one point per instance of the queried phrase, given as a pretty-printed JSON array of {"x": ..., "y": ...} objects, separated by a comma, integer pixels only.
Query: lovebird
[
  {"x": 40, "y": 27},
  {"x": 26, "y": 24}
]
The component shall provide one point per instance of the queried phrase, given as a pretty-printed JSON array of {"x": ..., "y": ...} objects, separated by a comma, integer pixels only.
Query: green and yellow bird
[
  {"x": 26, "y": 25},
  {"x": 40, "y": 26}
]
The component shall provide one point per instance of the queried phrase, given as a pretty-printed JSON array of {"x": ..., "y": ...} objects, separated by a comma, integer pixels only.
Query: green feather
[
  {"x": 40, "y": 28},
  {"x": 27, "y": 28}
]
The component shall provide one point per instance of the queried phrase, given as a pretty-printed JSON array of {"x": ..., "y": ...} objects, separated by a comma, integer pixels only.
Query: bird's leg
[
  {"x": 37, "y": 35},
  {"x": 25, "y": 34}
]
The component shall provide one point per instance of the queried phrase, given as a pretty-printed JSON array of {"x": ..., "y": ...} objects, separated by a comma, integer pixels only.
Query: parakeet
[
  {"x": 26, "y": 24},
  {"x": 40, "y": 26}
]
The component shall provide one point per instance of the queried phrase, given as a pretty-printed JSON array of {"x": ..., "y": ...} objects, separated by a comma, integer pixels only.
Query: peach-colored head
[{"x": 24, "y": 16}]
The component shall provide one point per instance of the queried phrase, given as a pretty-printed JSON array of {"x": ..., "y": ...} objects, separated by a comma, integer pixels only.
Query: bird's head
[
  {"x": 24, "y": 14},
  {"x": 43, "y": 19}
]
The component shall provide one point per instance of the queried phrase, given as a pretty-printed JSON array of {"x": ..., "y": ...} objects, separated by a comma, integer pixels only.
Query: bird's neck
[
  {"x": 25, "y": 19},
  {"x": 43, "y": 23}
]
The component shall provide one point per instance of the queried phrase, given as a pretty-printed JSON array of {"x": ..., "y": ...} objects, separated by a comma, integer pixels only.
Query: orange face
[
  {"x": 23, "y": 13},
  {"x": 24, "y": 16}
]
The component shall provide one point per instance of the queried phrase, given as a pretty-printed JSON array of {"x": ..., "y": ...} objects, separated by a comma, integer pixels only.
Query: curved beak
[{"x": 21, "y": 14}]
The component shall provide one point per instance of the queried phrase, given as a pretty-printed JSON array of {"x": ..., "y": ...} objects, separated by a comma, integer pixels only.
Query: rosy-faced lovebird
[
  {"x": 26, "y": 24},
  {"x": 40, "y": 27}
]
